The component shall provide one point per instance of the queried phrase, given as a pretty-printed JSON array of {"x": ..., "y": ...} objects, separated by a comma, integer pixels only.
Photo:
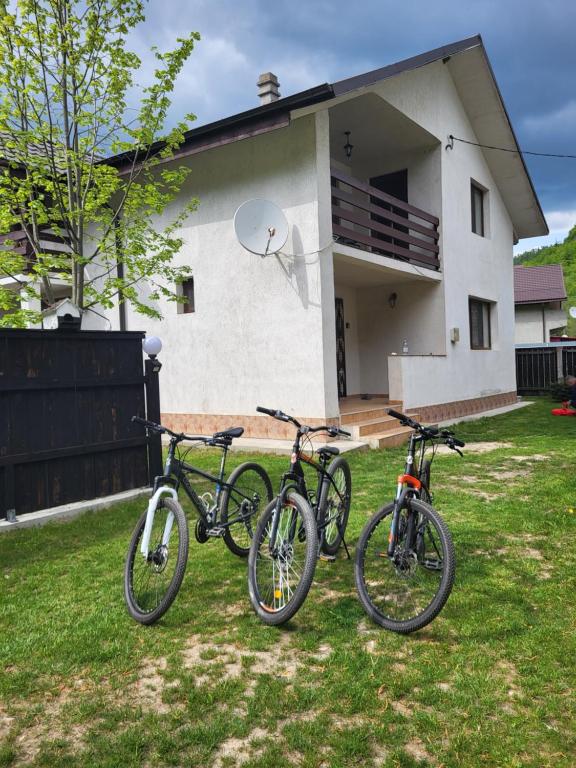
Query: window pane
[
  {"x": 188, "y": 292},
  {"x": 479, "y": 324},
  {"x": 477, "y": 210}
]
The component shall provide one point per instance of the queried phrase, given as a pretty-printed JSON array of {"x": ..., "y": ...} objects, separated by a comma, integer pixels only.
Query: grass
[{"x": 489, "y": 683}]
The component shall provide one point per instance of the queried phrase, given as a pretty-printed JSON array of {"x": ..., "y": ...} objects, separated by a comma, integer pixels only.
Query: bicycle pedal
[
  {"x": 215, "y": 532},
  {"x": 327, "y": 558}
]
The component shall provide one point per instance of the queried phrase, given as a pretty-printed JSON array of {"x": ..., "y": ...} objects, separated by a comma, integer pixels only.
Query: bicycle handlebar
[
  {"x": 428, "y": 432},
  {"x": 276, "y": 414},
  {"x": 165, "y": 431},
  {"x": 281, "y": 416}
]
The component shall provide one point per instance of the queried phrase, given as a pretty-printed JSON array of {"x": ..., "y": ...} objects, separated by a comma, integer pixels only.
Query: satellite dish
[
  {"x": 260, "y": 227},
  {"x": 572, "y": 311}
]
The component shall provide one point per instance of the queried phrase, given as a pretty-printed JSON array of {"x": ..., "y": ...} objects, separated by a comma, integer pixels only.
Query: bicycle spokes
[{"x": 279, "y": 568}]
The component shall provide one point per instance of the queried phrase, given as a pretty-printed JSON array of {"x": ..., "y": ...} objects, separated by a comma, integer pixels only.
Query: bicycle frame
[{"x": 295, "y": 479}]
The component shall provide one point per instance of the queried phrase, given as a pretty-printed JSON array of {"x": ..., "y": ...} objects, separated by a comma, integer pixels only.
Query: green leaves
[{"x": 66, "y": 77}]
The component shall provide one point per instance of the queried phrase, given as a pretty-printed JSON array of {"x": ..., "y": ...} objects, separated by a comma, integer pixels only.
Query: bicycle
[
  {"x": 405, "y": 561},
  {"x": 298, "y": 526},
  {"x": 158, "y": 550}
]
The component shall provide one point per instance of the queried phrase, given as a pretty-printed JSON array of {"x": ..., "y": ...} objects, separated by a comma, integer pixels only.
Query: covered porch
[{"x": 384, "y": 309}]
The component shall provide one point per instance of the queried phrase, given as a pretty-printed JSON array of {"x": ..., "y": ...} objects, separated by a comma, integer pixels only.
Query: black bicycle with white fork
[
  {"x": 298, "y": 525},
  {"x": 158, "y": 550},
  {"x": 405, "y": 561}
]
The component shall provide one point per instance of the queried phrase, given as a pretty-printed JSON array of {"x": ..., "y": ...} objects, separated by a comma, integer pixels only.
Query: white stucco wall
[
  {"x": 256, "y": 337},
  {"x": 534, "y": 323},
  {"x": 472, "y": 265}
]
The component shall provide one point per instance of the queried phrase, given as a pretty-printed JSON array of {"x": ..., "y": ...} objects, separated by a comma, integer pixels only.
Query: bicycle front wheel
[
  {"x": 280, "y": 572},
  {"x": 334, "y": 506},
  {"x": 405, "y": 592},
  {"x": 424, "y": 476},
  {"x": 152, "y": 581},
  {"x": 248, "y": 494}
]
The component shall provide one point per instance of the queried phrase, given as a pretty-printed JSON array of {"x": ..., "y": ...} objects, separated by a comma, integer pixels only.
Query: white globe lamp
[{"x": 152, "y": 345}]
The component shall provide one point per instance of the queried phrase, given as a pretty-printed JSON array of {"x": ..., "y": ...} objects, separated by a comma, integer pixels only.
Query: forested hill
[{"x": 562, "y": 253}]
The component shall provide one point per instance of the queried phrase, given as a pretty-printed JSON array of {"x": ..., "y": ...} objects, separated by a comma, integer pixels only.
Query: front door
[{"x": 340, "y": 348}]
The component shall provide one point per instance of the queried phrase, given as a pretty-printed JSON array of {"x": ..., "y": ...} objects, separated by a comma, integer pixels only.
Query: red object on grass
[{"x": 563, "y": 412}]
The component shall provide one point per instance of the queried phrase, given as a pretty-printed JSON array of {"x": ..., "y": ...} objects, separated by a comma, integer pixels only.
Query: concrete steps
[
  {"x": 391, "y": 438},
  {"x": 369, "y": 422}
]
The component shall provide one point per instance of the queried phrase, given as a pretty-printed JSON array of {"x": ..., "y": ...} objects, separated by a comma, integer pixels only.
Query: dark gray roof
[
  {"x": 278, "y": 112},
  {"x": 534, "y": 285}
]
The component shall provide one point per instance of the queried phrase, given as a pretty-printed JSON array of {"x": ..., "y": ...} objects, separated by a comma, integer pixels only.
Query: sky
[{"x": 531, "y": 46}]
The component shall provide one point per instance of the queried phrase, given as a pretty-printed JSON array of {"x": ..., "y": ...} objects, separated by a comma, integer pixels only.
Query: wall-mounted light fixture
[
  {"x": 348, "y": 147},
  {"x": 392, "y": 299}
]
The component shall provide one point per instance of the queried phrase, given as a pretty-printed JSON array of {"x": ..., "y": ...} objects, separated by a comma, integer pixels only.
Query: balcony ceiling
[{"x": 377, "y": 131}]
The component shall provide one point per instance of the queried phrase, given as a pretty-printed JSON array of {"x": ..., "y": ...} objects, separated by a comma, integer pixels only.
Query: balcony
[{"x": 366, "y": 218}]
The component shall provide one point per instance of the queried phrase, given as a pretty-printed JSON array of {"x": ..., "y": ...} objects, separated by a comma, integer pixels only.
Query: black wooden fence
[
  {"x": 66, "y": 402},
  {"x": 538, "y": 369}
]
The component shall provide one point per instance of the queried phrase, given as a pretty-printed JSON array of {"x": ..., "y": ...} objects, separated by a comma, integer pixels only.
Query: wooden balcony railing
[
  {"x": 366, "y": 218},
  {"x": 17, "y": 242}
]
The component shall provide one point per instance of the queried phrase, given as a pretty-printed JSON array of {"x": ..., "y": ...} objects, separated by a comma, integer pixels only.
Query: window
[
  {"x": 477, "y": 209},
  {"x": 479, "y": 324},
  {"x": 186, "y": 290}
]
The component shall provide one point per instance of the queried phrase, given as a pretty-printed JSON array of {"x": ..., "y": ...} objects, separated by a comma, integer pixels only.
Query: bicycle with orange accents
[{"x": 405, "y": 561}]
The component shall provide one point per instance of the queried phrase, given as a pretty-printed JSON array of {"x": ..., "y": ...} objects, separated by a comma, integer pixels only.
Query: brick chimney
[{"x": 268, "y": 86}]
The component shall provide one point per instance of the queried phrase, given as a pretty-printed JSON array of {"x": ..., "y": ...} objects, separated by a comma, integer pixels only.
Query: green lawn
[{"x": 489, "y": 683}]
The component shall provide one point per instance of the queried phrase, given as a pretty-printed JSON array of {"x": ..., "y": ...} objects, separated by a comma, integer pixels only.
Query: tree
[{"x": 66, "y": 79}]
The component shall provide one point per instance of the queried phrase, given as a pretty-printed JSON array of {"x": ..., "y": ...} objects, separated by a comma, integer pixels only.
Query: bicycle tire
[
  {"x": 405, "y": 596},
  {"x": 269, "y": 577},
  {"x": 334, "y": 531},
  {"x": 424, "y": 477},
  {"x": 147, "y": 599},
  {"x": 251, "y": 481}
]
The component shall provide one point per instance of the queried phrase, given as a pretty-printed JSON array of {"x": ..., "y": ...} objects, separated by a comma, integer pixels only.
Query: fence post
[
  {"x": 559, "y": 366},
  {"x": 10, "y": 493},
  {"x": 152, "y": 368}
]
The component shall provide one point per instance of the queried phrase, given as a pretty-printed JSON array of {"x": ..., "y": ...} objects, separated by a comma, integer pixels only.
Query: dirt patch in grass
[
  {"x": 148, "y": 689},
  {"x": 49, "y": 725},
  {"x": 226, "y": 660},
  {"x": 513, "y": 474},
  {"x": 417, "y": 750},
  {"x": 5, "y": 723},
  {"x": 241, "y": 750},
  {"x": 484, "y": 494},
  {"x": 532, "y": 457}
]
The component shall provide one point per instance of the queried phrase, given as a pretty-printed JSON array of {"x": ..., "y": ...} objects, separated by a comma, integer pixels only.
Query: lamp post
[{"x": 152, "y": 346}]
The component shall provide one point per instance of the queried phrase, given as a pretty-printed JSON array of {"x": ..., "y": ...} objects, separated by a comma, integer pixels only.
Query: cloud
[
  {"x": 561, "y": 221},
  {"x": 561, "y": 121}
]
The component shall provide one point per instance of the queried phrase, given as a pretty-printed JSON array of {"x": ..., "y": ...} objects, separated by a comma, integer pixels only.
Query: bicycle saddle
[
  {"x": 328, "y": 450},
  {"x": 229, "y": 434}
]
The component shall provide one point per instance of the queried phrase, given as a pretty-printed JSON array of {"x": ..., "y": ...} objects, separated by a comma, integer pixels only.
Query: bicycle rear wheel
[
  {"x": 405, "y": 592},
  {"x": 279, "y": 577},
  {"x": 152, "y": 582},
  {"x": 249, "y": 493},
  {"x": 334, "y": 506}
]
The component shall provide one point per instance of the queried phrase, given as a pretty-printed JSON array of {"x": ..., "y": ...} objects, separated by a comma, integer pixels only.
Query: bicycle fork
[
  {"x": 406, "y": 485},
  {"x": 152, "y": 507}
]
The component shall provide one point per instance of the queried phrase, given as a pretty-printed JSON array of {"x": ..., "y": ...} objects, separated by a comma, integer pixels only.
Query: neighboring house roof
[
  {"x": 534, "y": 285},
  {"x": 477, "y": 88}
]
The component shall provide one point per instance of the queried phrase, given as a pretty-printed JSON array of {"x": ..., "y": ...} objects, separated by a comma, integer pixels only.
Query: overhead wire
[{"x": 506, "y": 149}]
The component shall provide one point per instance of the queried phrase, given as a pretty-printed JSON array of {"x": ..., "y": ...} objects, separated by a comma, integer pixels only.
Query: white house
[
  {"x": 538, "y": 296},
  {"x": 399, "y": 253}
]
